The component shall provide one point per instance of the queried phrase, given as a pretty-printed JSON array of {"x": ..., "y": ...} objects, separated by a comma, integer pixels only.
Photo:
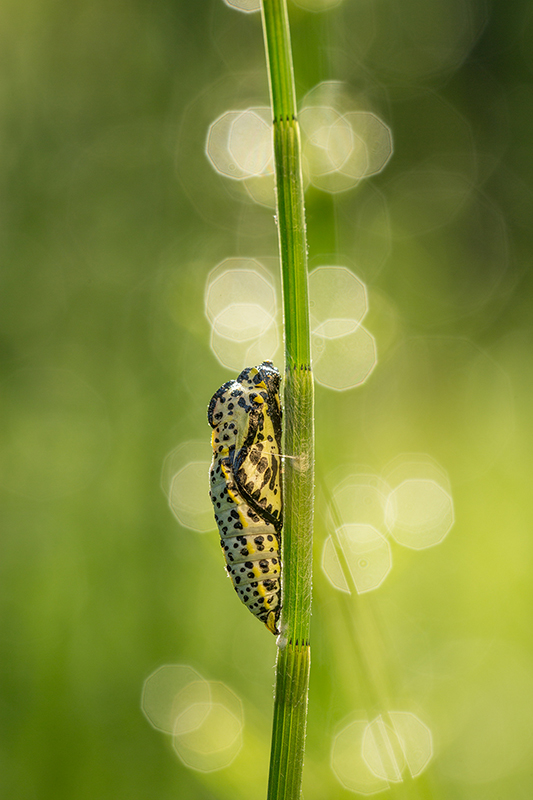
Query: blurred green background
[{"x": 111, "y": 220}]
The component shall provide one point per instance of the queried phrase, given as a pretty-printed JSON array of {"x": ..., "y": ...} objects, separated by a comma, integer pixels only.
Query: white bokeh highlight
[
  {"x": 338, "y": 301},
  {"x": 357, "y": 555},
  {"x": 185, "y": 480},
  {"x": 348, "y": 764},
  {"x": 344, "y": 352},
  {"x": 419, "y": 511},
  {"x": 162, "y": 690},
  {"x": 415, "y": 740},
  {"x": 237, "y": 355},
  {"x": 261, "y": 189},
  {"x": 362, "y": 498},
  {"x": 366, "y": 553},
  {"x": 389, "y": 749},
  {"x": 382, "y": 752},
  {"x": 241, "y": 322},
  {"x": 248, "y": 6},
  {"x": 205, "y": 718},
  {"x": 234, "y": 284},
  {"x": 208, "y": 735},
  {"x": 332, "y": 568},
  {"x": 344, "y": 362},
  {"x": 341, "y": 147},
  {"x": 377, "y": 137},
  {"x": 366, "y": 757},
  {"x": 239, "y": 143},
  {"x": 410, "y": 503},
  {"x": 241, "y": 305}
]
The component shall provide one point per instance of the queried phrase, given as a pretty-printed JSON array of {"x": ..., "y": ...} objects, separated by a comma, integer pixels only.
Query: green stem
[{"x": 292, "y": 669}]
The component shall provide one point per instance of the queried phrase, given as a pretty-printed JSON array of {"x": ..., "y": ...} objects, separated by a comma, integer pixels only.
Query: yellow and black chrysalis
[{"x": 245, "y": 486}]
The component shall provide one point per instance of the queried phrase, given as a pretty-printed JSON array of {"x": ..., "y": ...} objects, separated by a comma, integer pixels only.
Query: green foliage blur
[{"x": 111, "y": 220}]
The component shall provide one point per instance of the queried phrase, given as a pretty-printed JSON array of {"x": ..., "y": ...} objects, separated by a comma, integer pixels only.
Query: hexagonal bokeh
[
  {"x": 348, "y": 764},
  {"x": 419, "y": 513},
  {"x": 244, "y": 5},
  {"x": 242, "y": 322},
  {"x": 241, "y": 304},
  {"x": 367, "y": 756},
  {"x": 161, "y": 689},
  {"x": 341, "y": 147},
  {"x": 344, "y": 353},
  {"x": 382, "y": 752},
  {"x": 205, "y": 718},
  {"x": 344, "y": 362},
  {"x": 331, "y": 566},
  {"x": 208, "y": 736},
  {"x": 261, "y": 189},
  {"x": 366, "y": 555},
  {"x": 362, "y": 498},
  {"x": 415, "y": 740},
  {"x": 250, "y": 142},
  {"x": 185, "y": 481},
  {"x": 242, "y": 286},
  {"x": 239, "y": 143},
  {"x": 334, "y": 157},
  {"x": 237, "y": 355},
  {"x": 377, "y": 137},
  {"x": 389, "y": 749},
  {"x": 338, "y": 301}
]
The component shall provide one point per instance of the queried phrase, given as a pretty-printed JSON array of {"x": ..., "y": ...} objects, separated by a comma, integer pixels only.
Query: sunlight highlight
[
  {"x": 239, "y": 143},
  {"x": 388, "y": 750},
  {"x": 344, "y": 353},
  {"x": 183, "y": 480},
  {"x": 205, "y": 718},
  {"x": 248, "y": 6},
  {"x": 419, "y": 511},
  {"x": 341, "y": 146},
  {"x": 357, "y": 554},
  {"x": 236, "y": 355},
  {"x": 208, "y": 736},
  {"x": 367, "y": 555},
  {"x": 241, "y": 304},
  {"x": 367, "y": 757},
  {"x": 162, "y": 687},
  {"x": 338, "y": 301},
  {"x": 348, "y": 764},
  {"x": 411, "y": 503},
  {"x": 344, "y": 362},
  {"x": 362, "y": 498}
]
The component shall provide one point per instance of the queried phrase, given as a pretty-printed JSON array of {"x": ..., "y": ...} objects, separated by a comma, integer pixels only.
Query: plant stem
[{"x": 292, "y": 669}]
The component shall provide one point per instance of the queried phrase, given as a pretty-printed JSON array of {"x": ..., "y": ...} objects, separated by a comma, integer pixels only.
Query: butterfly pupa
[{"x": 245, "y": 486}]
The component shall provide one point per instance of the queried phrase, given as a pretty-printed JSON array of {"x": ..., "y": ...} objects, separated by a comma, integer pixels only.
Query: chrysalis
[{"x": 245, "y": 486}]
